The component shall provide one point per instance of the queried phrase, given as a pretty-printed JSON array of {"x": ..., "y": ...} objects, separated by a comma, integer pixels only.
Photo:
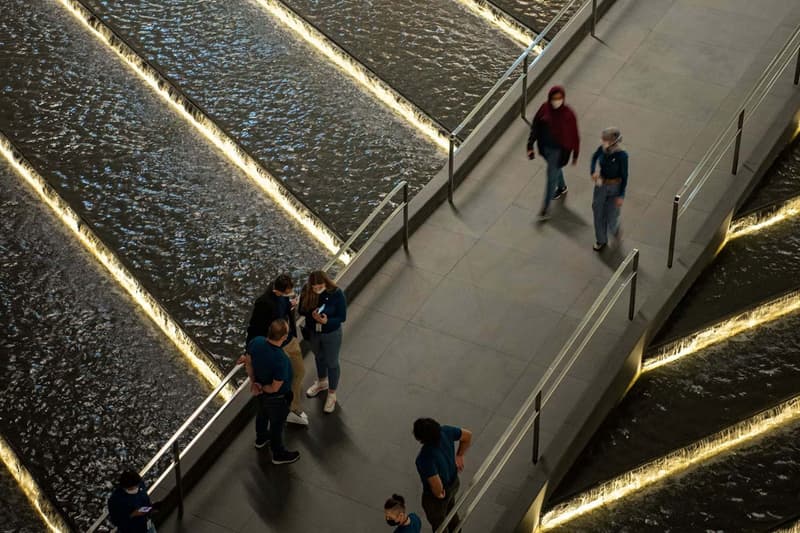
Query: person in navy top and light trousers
[{"x": 610, "y": 176}]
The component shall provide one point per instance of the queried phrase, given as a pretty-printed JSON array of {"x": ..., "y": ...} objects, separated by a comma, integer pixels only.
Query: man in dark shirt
[
  {"x": 271, "y": 376},
  {"x": 275, "y": 303},
  {"x": 438, "y": 465}
]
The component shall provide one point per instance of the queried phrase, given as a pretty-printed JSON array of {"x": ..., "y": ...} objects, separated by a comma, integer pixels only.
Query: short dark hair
[
  {"x": 129, "y": 479},
  {"x": 427, "y": 431},
  {"x": 283, "y": 283},
  {"x": 277, "y": 329},
  {"x": 395, "y": 501}
]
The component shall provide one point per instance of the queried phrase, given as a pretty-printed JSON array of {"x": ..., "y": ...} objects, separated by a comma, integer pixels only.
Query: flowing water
[
  {"x": 537, "y": 14},
  {"x": 86, "y": 385},
  {"x": 16, "y": 515},
  {"x": 435, "y": 52},
  {"x": 336, "y": 147},
  {"x": 190, "y": 227}
]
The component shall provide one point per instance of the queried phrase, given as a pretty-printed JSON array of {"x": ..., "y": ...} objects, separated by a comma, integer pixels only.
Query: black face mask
[{"x": 393, "y": 523}]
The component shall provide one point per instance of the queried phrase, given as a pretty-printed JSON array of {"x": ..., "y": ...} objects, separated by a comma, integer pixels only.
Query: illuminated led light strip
[
  {"x": 794, "y": 528},
  {"x": 760, "y": 220},
  {"x": 35, "y": 495},
  {"x": 202, "y": 123},
  {"x": 672, "y": 463},
  {"x": 381, "y": 90},
  {"x": 749, "y": 319},
  {"x": 191, "y": 351},
  {"x": 505, "y": 23}
]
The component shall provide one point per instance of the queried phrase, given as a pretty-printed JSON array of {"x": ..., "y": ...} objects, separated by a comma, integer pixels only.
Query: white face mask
[
  {"x": 319, "y": 291},
  {"x": 556, "y": 103},
  {"x": 132, "y": 491}
]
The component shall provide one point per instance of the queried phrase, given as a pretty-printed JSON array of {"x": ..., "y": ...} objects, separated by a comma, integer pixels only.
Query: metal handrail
[
  {"x": 527, "y": 67},
  {"x": 535, "y": 397},
  {"x": 702, "y": 171},
  {"x": 171, "y": 444}
]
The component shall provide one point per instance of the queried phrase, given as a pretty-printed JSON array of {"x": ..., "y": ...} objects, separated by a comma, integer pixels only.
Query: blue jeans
[
  {"x": 606, "y": 212},
  {"x": 555, "y": 176},
  {"x": 271, "y": 417},
  {"x": 326, "y": 348}
]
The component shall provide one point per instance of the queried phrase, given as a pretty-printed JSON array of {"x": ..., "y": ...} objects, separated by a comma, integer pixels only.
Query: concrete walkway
[{"x": 462, "y": 328}]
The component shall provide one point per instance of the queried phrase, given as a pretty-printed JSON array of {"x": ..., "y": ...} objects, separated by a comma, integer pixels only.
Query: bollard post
[
  {"x": 405, "y": 216},
  {"x": 450, "y": 170},
  {"x": 594, "y": 17},
  {"x": 176, "y": 458},
  {"x": 537, "y": 412},
  {"x": 672, "y": 229},
  {"x": 633, "y": 283},
  {"x": 524, "y": 107},
  {"x": 738, "y": 143}
]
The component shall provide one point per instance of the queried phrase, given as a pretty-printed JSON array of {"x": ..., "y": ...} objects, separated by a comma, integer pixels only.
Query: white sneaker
[
  {"x": 316, "y": 388},
  {"x": 330, "y": 402},
  {"x": 294, "y": 418}
]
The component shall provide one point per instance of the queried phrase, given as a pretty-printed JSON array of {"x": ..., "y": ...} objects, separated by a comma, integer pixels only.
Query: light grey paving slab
[
  {"x": 401, "y": 293},
  {"x": 369, "y": 333},
  {"x": 768, "y": 10},
  {"x": 434, "y": 249}
]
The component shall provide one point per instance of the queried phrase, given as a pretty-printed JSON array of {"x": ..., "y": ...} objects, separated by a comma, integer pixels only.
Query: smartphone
[
  {"x": 144, "y": 509},
  {"x": 321, "y": 309}
]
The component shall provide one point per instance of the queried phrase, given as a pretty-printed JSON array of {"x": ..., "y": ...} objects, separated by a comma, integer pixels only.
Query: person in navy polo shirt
[
  {"x": 438, "y": 465},
  {"x": 271, "y": 379},
  {"x": 394, "y": 511}
]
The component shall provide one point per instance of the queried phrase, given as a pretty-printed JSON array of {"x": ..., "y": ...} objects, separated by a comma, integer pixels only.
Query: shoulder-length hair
[{"x": 309, "y": 299}]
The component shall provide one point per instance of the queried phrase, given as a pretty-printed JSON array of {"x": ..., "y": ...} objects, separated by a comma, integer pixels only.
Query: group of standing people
[{"x": 555, "y": 130}]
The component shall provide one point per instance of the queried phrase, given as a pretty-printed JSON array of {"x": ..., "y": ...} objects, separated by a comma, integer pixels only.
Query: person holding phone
[
  {"x": 324, "y": 307},
  {"x": 129, "y": 506}
]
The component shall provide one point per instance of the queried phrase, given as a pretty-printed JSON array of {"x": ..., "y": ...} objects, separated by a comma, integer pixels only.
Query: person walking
[
  {"x": 394, "y": 511},
  {"x": 276, "y": 303},
  {"x": 609, "y": 171},
  {"x": 129, "y": 506},
  {"x": 438, "y": 466},
  {"x": 324, "y": 306},
  {"x": 555, "y": 129},
  {"x": 270, "y": 375}
]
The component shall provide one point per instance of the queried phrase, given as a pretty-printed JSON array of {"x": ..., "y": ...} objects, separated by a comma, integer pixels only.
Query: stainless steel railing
[
  {"x": 529, "y": 415},
  {"x": 527, "y": 66},
  {"x": 732, "y": 135}
]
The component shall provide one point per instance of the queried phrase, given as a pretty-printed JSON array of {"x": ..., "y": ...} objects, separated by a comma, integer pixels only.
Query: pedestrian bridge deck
[{"x": 464, "y": 325}]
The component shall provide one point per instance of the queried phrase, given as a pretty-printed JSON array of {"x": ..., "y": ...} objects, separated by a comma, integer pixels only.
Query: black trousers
[
  {"x": 271, "y": 417},
  {"x": 436, "y": 509}
]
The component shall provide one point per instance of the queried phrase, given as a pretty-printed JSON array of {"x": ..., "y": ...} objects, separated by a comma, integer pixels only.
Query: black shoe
[
  {"x": 598, "y": 246},
  {"x": 261, "y": 443},
  {"x": 285, "y": 458},
  {"x": 559, "y": 193},
  {"x": 543, "y": 215}
]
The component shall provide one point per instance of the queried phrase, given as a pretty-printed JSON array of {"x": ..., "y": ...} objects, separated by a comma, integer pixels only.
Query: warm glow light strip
[
  {"x": 196, "y": 117},
  {"x": 672, "y": 463},
  {"x": 749, "y": 319},
  {"x": 381, "y": 90},
  {"x": 794, "y": 528},
  {"x": 760, "y": 220},
  {"x": 51, "y": 517},
  {"x": 191, "y": 351},
  {"x": 508, "y": 25}
]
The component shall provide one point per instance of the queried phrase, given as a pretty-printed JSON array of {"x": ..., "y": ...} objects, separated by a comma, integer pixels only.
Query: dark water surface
[
  {"x": 87, "y": 384},
  {"x": 677, "y": 404},
  {"x": 537, "y": 14},
  {"x": 16, "y": 514},
  {"x": 191, "y": 228},
  {"x": 781, "y": 182},
  {"x": 750, "y": 489},
  {"x": 335, "y": 146},
  {"x": 435, "y": 52}
]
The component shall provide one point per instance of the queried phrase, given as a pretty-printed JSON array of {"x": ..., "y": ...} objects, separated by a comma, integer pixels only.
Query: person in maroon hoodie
[{"x": 555, "y": 129}]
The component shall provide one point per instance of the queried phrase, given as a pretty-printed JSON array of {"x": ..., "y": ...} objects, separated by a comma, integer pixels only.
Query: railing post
[
  {"x": 594, "y": 17},
  {"x": 524, "y": 107},
  {"x": 450, "y": 170},
  {"x": 176, "y": 458},
  {"x": 672, "y": 229},
  {"x": 797, "y": 69},
  {"x": 537, "y": 406},
  {"x": 738, "y": 143},
  {"x": 633, "y": 283},
  {"x": 405, "y": 216}
]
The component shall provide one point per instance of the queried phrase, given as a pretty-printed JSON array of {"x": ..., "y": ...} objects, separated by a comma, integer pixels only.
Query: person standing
[
  {"x": 276, "y": 303},
  {"x": 270, "y": 379},
  {"x": 394, "y": 511},
  {"x": 438, "y": 466},
  {"x": 609, "y": 170},
  {"x": 555, "y": 129},
  {"x": 324, "y": 306},
  {"x": 129, "y": 506}
]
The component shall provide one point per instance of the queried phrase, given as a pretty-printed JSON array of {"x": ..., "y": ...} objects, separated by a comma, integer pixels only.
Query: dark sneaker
[
  {"x": 543, "y": 215},
  {"x": 261, "y": 443},
  {"x": 559, "y": 193},
  {"x": 598, "y": 246},
  {"x": 284, "y": 458}
]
